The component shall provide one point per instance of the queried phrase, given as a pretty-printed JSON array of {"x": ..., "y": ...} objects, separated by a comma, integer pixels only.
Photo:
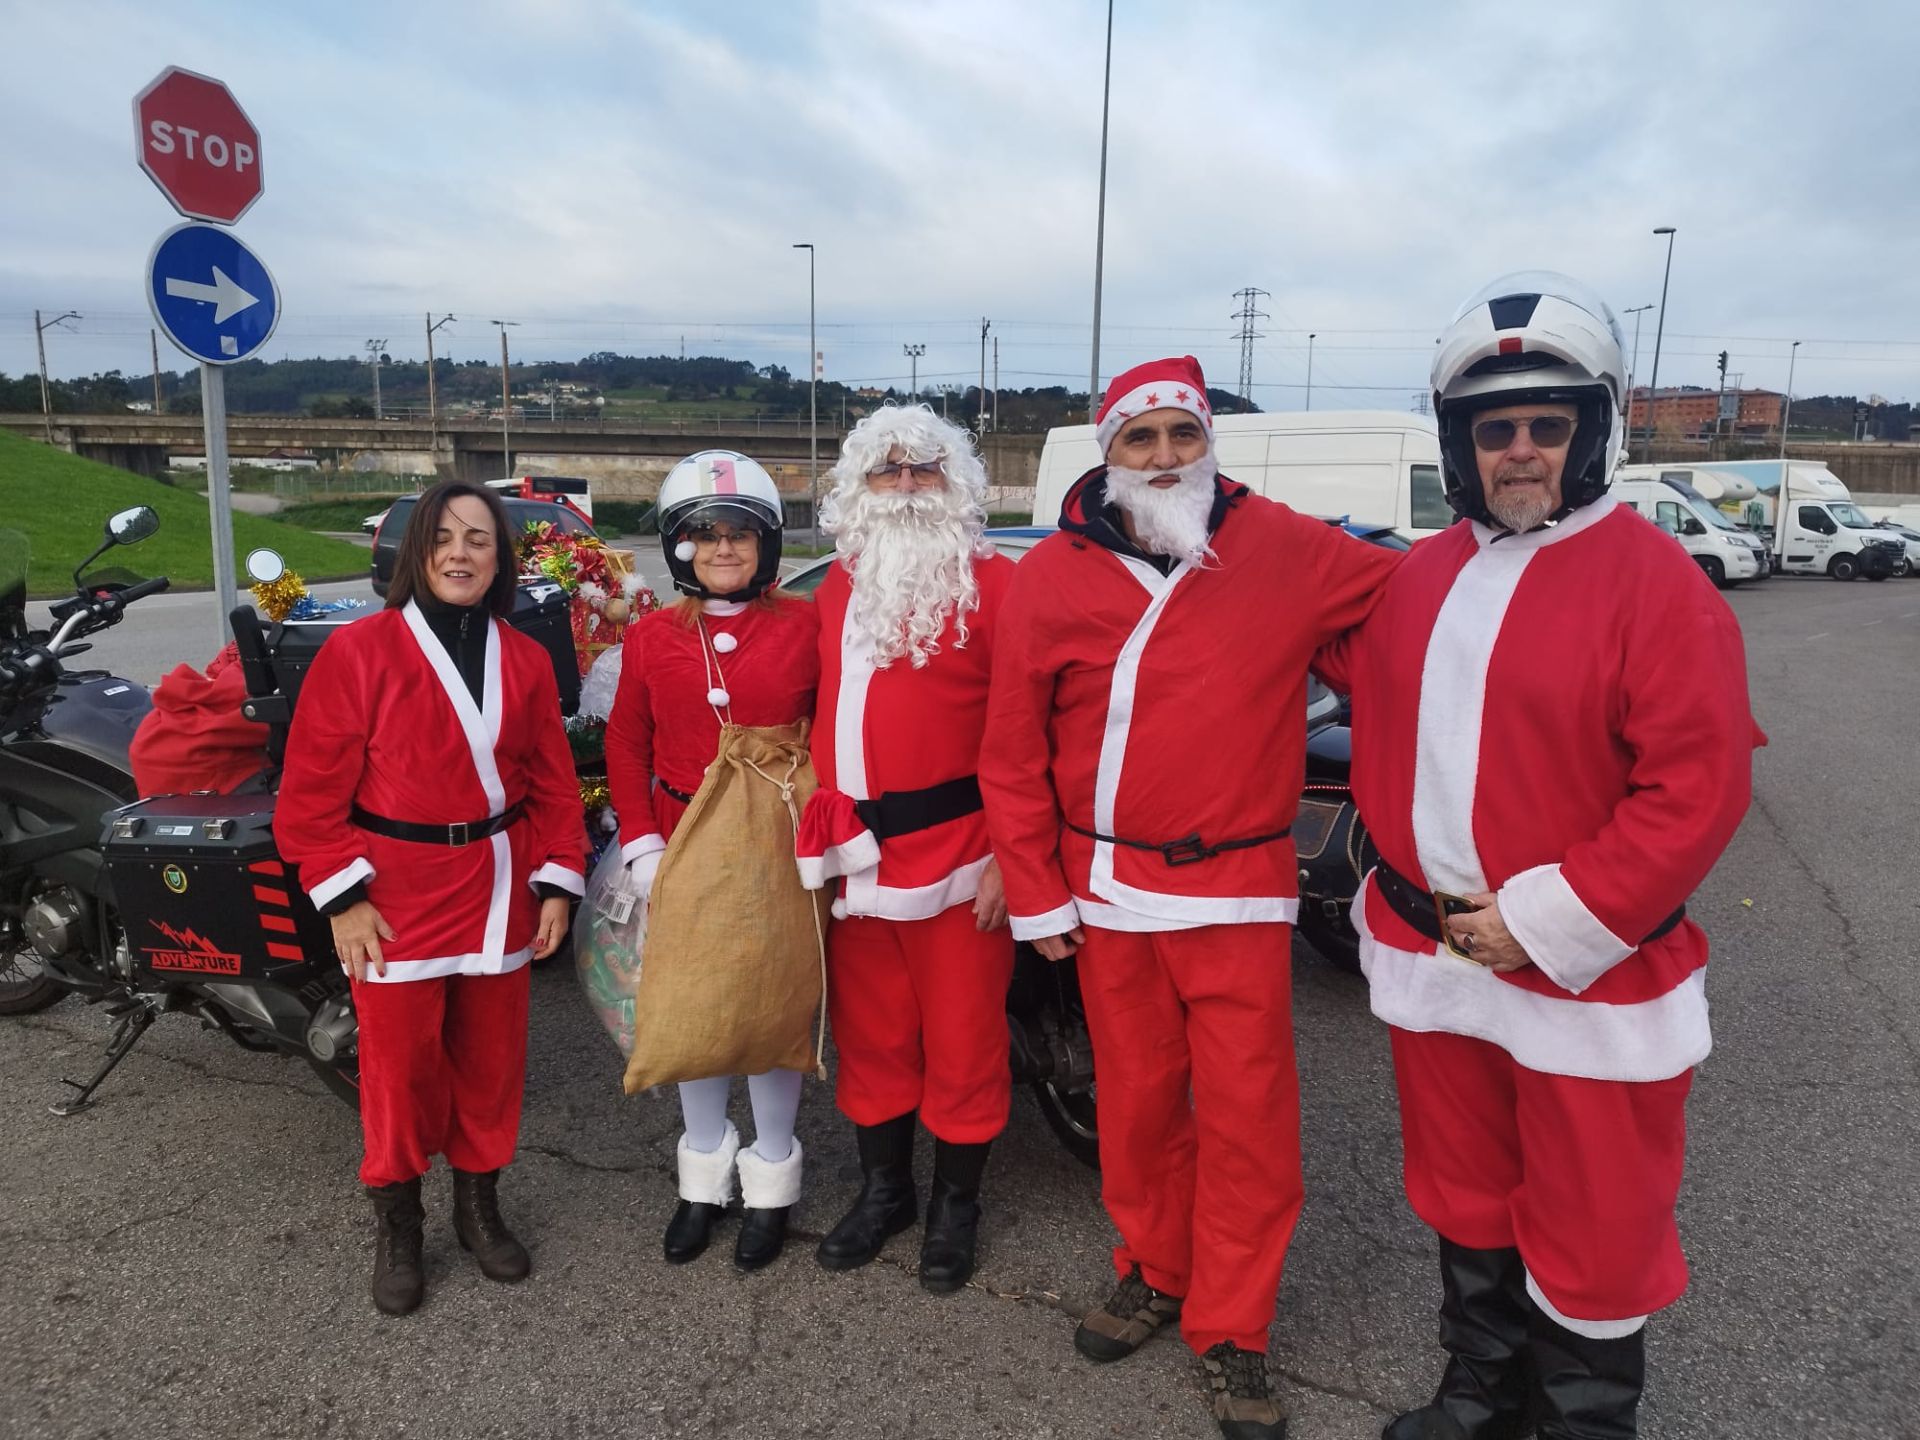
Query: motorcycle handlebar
[{"x": 144, "y": 588}]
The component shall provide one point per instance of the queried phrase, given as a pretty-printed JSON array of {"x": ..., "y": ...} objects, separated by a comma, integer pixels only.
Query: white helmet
[
  {"x": 1530, "y": 338},
  {"x": 719, "y": 485}
]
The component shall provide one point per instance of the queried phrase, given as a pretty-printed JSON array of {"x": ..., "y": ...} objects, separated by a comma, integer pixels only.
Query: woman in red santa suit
[
  {"x": 734, "y": 651},
  {"x": 430, "y": 804}
]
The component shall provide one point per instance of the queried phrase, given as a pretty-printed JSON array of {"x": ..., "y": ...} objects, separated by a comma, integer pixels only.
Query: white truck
[
  {"x": 1811, "y": 523},
  {"x": 1675, "y": 497},
  {"x": 1376, "y": 466}
]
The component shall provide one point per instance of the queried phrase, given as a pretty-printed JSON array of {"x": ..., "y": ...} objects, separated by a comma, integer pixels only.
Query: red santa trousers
[
  {"x": 1199, "y": 1116},
  {"x": 443, "y": 1065},
  {"x": 1579, "y": 1175},
  {"x": 919, "y": 1013}
]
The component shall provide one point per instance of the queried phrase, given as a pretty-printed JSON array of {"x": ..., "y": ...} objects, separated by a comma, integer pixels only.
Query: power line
[{"x": 1247, "y": 314}]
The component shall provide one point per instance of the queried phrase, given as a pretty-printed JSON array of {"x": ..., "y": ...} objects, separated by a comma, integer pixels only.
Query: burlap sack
[{"x": 732, "y": 973}]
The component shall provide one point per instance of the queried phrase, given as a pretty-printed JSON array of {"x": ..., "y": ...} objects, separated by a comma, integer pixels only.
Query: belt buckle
[
  {"x": 1187, "y": 850},
  {"x": 460, "y": 833},
  {"x": 1446, "y": 903}
]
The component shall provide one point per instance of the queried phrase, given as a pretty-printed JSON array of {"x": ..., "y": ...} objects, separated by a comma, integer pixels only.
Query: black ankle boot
[
  {"x": 690, "y": 1230},
  {"x": 886, "y": 1204},
  {"x": 399, "y": 1275},
  {"x": 1589, "y": 1389},
  {"x": 953, "y": 1216},
  {"x": 1484, "y": 1315},
  {"x": 477, "y": 1223},
  {"x": 768, "y": 1189}
]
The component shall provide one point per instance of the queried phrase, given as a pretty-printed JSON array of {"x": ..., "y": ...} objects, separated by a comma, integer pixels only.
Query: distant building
[{"x": 1688, "y": 412}]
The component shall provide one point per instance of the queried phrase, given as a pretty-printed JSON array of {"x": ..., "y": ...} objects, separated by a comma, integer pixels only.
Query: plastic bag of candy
[{"x": 609, "y": 931}]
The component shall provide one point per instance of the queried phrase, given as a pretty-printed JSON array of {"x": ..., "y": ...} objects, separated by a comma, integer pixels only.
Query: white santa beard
[
  {"x": 912, "y": 562},
  {"x": 1173, "y": 521}
]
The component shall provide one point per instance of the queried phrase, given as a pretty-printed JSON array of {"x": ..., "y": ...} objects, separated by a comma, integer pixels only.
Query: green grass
[
  {"x": 333, "y": 514},
  {"x": 60, "y": 501}
]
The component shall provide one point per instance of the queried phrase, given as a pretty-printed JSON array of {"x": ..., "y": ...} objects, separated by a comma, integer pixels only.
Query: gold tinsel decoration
[
  {"x": 595, "y": 795},
  {"x": 278, "y": 597}
]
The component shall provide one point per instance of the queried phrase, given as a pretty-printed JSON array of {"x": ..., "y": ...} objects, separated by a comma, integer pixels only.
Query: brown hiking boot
[
  {"x": 1132, "y": 1316},
  {"x": 1243, "y": 1400}
]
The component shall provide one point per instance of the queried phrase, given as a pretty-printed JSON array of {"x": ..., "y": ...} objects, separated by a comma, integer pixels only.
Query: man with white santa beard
[
  {"x": 1148, "y": 721},
  {"x": 918, "y": 953}
]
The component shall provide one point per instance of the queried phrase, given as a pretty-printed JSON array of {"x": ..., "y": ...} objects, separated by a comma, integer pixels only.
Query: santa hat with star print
[{"x": 1171, "y": 384}]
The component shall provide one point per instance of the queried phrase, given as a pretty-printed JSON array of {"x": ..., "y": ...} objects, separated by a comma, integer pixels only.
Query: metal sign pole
[{"x": 213, "y": 408}]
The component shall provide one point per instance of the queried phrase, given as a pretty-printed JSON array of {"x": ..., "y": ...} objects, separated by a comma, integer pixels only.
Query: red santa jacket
[
  {"x": 1153, "y": 707},
  {"x": 1559, "y": 718},
  {"x": 385, "y": 722},
  {"x": 662, "y": 723},
  {"x": 901, "y": 727}
]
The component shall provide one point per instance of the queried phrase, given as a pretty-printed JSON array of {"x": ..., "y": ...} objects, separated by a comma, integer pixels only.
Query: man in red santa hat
[
  {"x": 1552, "y": 746},
  {"x": 1148, "y": 727},
  {"x": 918, "y": 955}
]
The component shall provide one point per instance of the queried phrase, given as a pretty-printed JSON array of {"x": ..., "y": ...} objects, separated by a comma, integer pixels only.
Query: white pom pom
[
  {"x": 683, "y": 552},
  {"x": 725, "y": 643},
  {"x": 839, "y": 909},
  {"x": 717, "y": 696}
]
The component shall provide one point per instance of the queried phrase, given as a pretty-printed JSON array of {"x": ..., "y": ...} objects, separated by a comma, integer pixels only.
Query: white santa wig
[{"x": 911, "y": 554}]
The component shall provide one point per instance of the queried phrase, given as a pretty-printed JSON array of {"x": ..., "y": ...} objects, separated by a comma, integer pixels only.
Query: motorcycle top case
[{"x": 205, "y": 896}]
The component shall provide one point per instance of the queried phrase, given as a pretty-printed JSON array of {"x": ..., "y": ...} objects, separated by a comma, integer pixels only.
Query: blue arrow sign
[{"x": 210, "y": 294}]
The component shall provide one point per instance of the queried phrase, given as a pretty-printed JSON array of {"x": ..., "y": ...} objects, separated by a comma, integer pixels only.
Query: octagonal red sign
[{"x": 197, "y": 144}]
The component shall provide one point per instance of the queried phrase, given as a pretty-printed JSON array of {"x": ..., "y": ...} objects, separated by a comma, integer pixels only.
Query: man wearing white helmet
[
  {"x": 918, "y": 955},
  {"x": 1552, "y": 746}
]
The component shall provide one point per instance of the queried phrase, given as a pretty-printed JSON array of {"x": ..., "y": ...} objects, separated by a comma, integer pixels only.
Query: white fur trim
[
  {"x": 322, "y": 891},
  {"x": 867, "y": 897},
  {"x": 850, "y": 709},
  {"x": 1557, "y": 931},
  {"x": 473, "y": 963},
  {"x": 1057, "y": 921},
  {"x": 1102, "y": 916},
  {"x": 1156, "y": 395},
  {"x": 1592, "y": 1329},
  {"x": 769, "y": 1184},
  {"x": 642, "y": 845},
  {"x": 847, "y": 858},
  {"x": 567, "y": 878},
  {"x": 1557, "y": 1035},
  {"x": 839, "y": 909},
  {"x": 706, "y": 1176}
]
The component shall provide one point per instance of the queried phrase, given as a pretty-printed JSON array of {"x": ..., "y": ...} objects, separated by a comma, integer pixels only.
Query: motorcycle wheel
[
  {"x": 1073, "y": 1116},
  {"x": 25, "y": 985},
  {"x": 1333, "y": 939},
  {"x": 341, "y": 1077}
]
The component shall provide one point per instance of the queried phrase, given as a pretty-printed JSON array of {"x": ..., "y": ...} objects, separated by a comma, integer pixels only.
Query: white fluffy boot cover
[
  {"x": 706, "y": 1176},
  {"x": 769, "y": 1184}
]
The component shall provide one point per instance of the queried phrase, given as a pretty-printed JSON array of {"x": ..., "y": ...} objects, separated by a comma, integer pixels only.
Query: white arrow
[{"x": 224, "y": 294}]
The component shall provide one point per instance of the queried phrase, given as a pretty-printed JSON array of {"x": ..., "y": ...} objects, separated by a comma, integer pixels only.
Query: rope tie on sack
[{"x": 785, "y": 787}]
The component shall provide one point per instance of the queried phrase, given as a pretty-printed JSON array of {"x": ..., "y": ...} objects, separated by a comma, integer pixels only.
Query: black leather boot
[
  {"x": 953, "y": 1216},
  {"x": 1484, "y": 1315},
  {"x": 477, "y": 1223},
  {"x": 690, "y": 1230},
  {"x": 1589, "y": 1389},
  {"x": 768, "y": 1190},
  {"x": 886, "y": 1204},
  {"x": 399, "y": 1274},
  {"x": 706, "y": 1188}
]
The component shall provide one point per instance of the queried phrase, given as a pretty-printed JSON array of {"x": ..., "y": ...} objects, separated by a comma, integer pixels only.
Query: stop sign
[{"x": 196, "y": 143}]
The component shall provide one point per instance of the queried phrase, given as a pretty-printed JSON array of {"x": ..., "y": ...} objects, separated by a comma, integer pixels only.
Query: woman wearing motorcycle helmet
[{"x": 733, "y": 651}]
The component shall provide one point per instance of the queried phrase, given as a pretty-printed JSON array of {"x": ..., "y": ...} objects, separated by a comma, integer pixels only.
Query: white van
[
  {"x": 1667, "y": 497},
  {"x": 1820, "y": 531},
  {"x": 1377, "y": 466}
]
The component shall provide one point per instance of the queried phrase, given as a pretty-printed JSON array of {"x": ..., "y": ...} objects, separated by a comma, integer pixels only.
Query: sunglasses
[
  {"x": 890, "y": 469},
  {"x": 1549, "y": 432}
]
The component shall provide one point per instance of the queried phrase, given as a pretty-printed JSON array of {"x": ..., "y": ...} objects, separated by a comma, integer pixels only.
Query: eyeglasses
[
  {"x": 707, "y": 536},
  {"x": 890, "y": 469},
  {"x": 1549, "y": 432}
]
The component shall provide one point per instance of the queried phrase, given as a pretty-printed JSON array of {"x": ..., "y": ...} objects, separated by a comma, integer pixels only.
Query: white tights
[{"x": 776, "y": 1102}]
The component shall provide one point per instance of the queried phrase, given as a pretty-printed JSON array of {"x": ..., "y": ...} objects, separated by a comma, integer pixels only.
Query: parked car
[
  {"x": 1909, "y": 562},
  {"x": 371, "y": 525},
  {"x": 521, "y": 513}
]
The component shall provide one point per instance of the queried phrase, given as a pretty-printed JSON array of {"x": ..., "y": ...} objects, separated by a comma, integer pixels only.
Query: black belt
[
  {"x": 1189, "y": 849},
  {"x": 680, "y": 795},
  {"x": 901, "y": 812},
  {"x": 1421, "y": 908},
  {"x": 463, "y": 832}
]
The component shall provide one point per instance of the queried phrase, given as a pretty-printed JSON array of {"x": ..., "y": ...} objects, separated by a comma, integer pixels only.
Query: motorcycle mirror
[
  {"x": 265, "y": 566},
  {"x": 130, "y": 527}
]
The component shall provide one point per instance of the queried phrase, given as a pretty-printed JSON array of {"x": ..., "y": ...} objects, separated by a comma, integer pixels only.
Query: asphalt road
[{"x": 190, "y": 1257}]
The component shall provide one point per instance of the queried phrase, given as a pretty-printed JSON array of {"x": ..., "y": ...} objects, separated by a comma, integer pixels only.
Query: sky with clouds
[{"x": 623, "y": 175}]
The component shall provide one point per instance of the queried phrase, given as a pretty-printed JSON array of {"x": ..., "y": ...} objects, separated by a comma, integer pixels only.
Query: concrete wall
[{"x": 1871, "y": 469}]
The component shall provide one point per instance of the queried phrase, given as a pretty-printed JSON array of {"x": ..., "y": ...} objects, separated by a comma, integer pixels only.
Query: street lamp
[
  {"x": 506, "y": 402},
  {"x": 1659, "y": 330},
  {"x": 913, "y": 354},
  {"x": 1634, "y": 369},
  {"x": 1100, "y": 227},
  {"x": 40, "y": 329},
  {"x": 1310, "y": 339},
  {"x": 1793, "y": 355},
  {"x": 433, "y": 395},
  {"x": 813, "y": 402}
]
